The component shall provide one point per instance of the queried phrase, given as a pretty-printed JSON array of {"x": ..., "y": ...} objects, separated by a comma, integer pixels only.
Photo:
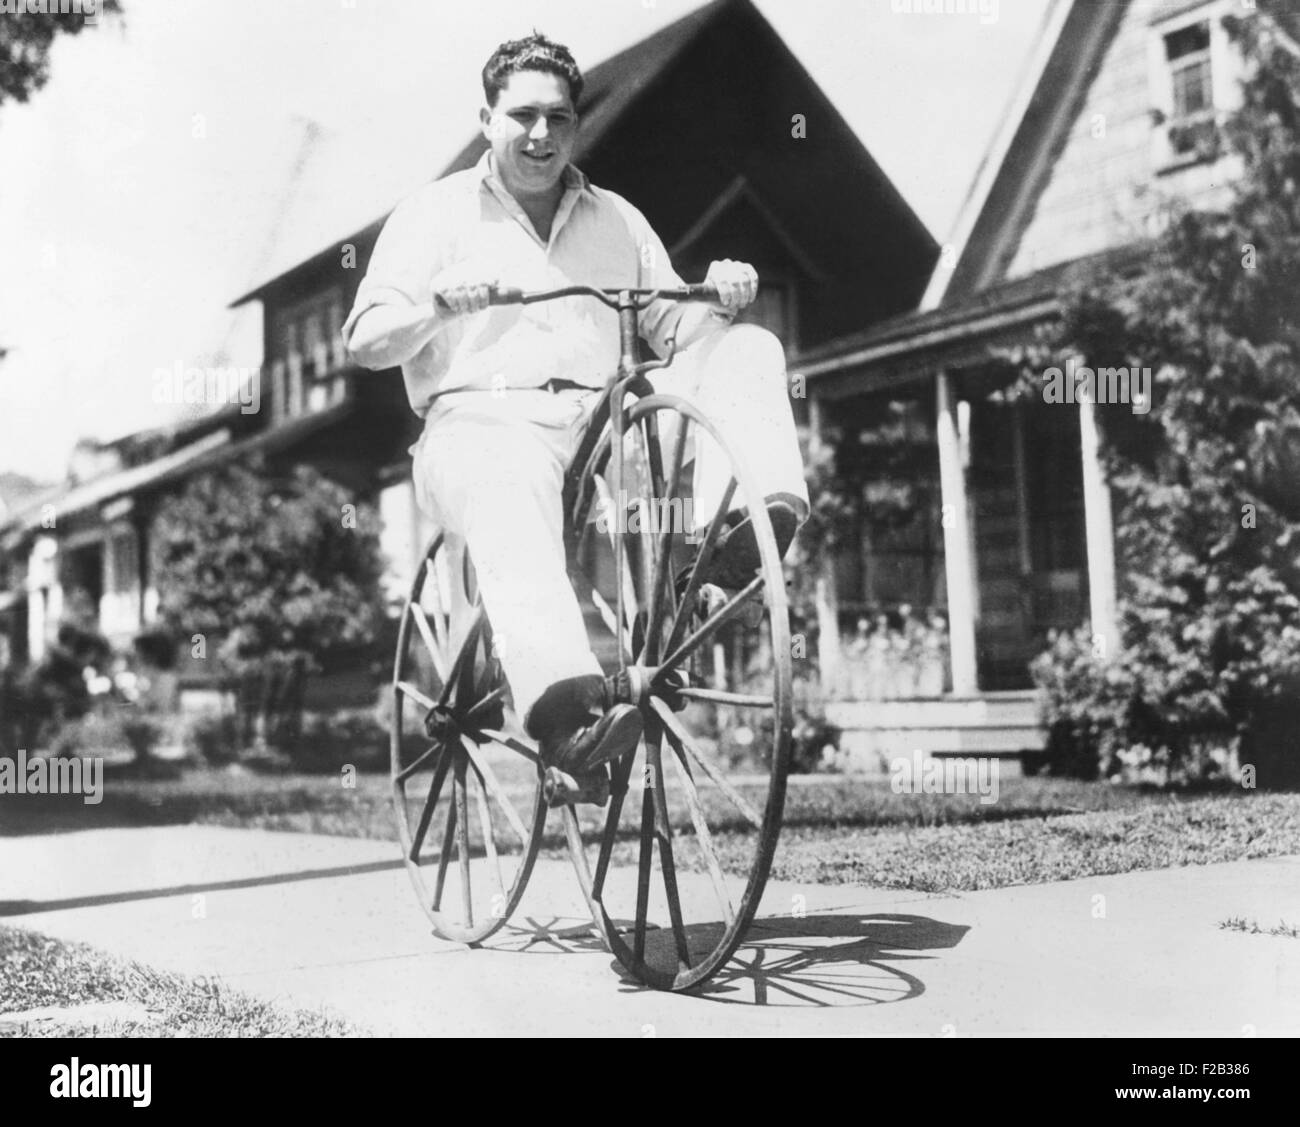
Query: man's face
[{"x": 532, "y": 130}]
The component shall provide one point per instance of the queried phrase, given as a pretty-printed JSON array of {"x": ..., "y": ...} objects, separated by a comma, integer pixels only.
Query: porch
[{"x": 980, "y": 524}]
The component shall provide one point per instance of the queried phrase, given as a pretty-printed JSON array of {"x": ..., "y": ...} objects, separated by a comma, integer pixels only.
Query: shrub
[
  {"x": 1138, "y": 715},
  {"x": 213, "y": 737},
  {"x": 105, "y": 731},
  {"x": 331, "y": 740},
  {"x": 277, "y": 572}
]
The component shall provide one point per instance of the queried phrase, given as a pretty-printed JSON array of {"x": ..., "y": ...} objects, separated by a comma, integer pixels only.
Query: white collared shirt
[{"x": 597, "y": 239}]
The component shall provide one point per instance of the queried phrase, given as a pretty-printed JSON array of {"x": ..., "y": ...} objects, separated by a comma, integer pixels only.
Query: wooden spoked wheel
[
  {"x": 673, "y": 867},
  {"x": 466, "y": 793}
]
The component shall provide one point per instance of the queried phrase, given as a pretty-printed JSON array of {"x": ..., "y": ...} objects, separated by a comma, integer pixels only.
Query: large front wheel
[{"x": 674, "y": 867}]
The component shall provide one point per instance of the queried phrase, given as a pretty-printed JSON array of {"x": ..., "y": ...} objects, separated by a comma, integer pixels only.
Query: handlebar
[{"x": 701, "y": 291}]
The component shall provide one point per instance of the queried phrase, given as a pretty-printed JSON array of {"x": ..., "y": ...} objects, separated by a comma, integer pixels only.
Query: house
[
  {"x": 695, "y": 124},
  {"x": 991, "y": 514}
]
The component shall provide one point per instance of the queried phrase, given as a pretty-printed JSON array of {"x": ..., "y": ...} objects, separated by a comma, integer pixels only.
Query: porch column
[
  {"x": 1100, "y": 534},
  {"x": 958, "y": 558},
  {"x": 830, "y": 654}
]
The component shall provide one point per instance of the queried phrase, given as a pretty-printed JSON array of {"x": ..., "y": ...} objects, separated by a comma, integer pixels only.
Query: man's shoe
[
  {"x": 562, "y": 789},
  {"x": 735, "y": 557},
  {"x": 604, "y": 739}
]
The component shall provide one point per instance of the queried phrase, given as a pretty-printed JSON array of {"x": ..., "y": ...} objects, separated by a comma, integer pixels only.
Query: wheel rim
[
  {"x": 697, "y": 813},
  {"x": 466, "y": 792}
]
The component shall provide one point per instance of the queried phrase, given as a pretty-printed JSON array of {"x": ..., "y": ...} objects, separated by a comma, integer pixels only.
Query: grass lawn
[
  {"x": 837, "y": 830},
  {"x": 37, "y": 973}
]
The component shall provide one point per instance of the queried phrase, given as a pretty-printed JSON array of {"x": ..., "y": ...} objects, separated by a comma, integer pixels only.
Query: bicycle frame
[{"x": 609, "y": 407}]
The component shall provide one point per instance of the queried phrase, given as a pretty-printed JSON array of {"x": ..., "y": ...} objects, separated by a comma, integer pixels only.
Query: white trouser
[{"x": 489, "y": 468}]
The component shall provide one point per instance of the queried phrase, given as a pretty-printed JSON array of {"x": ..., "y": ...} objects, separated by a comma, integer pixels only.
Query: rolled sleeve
[{"x": 397, "y": 274}]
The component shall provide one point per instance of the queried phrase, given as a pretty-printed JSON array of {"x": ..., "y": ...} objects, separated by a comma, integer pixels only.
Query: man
[{"x": 506, "y": 391}]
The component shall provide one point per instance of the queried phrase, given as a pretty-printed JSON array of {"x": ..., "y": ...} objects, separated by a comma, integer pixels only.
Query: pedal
[{"x": 559, "y": 788}]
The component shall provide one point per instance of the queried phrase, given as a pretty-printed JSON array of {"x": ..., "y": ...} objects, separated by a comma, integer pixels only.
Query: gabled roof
[
  {"x": 912, "y": 338},
  {"x": 1071, "y": 44},
  {"x": 731, "y": 109},
  {"x": 607, "y": 90}
]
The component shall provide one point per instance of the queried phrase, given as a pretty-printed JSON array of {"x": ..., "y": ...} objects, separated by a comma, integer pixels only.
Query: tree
[
  {"x": 273, "y": 574},
  {"x": 1208, "y": 483},
  {"x": 25, "y": 41}
]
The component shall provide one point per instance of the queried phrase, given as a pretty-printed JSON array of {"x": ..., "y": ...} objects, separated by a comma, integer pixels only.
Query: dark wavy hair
[{"x": 536, "y": 52}]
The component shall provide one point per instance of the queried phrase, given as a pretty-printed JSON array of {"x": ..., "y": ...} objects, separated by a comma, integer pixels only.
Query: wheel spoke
[
  {"x": 643, "y": 872},
  {"x": 415, "y": 694},
  {"x": 513, "y": 744},
  {"x": 430, "y": 802},
  {"x": 485, "y": 821},
  {"x": 462, "y": 840},
  {"x": 483, "y": 705},
  {"x": 484, "y": 771},
  {"x": 464, "y": 658},
  {"x": 718, "y": 696},
  {"x": 431, "y": 576},
  {"x": 702, "y": 558},
  {"x": 573, "y": 836},
  {"x": 703, "y": 835},
  {"x": 662, "y": 543},
  {"x": 714, "y": 622},
  {"x": 430, "y": 640},
  {"x": 444, "y": 858},
  {"x": 618, "y": 792},
  {"x": 664, "y": 833},
  {"x": 684, "y": 744},
  {"x": 420, "y": 760},
  {"x": 611, "y": 623}
]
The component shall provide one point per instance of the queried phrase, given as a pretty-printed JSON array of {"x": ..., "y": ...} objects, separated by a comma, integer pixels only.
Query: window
[
  {"x": 1188, "y": 53},
  {"x": 1194, "y": 73},
  {"x": 308, "y": 356}
]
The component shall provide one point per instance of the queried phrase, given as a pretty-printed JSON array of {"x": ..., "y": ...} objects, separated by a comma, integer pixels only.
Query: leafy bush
[
  {"x": 1142, "y": 715},
  {"x": 276, "y": 573},
  {"x": 56, "y": 691},
  {"x": 107, "y": 730},
  {"x": 331, "y": 740},
  {"x": 213, "y": 738}
]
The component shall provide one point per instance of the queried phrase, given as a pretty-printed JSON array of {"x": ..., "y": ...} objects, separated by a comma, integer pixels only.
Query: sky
[{"x": 148, "y": 184}]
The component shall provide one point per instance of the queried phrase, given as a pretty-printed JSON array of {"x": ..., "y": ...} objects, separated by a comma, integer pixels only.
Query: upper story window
[
  {"x": 307, "y": 355},
  {"x": 1188, "y": 53},
  {"x": 1194, "y": 76}
]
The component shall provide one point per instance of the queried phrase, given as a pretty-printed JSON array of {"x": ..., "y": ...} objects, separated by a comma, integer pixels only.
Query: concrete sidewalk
[{"x": 321, "y": 921}]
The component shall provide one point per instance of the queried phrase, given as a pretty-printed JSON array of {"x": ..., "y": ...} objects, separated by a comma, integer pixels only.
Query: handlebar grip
[{"x": 702, "y": 291}]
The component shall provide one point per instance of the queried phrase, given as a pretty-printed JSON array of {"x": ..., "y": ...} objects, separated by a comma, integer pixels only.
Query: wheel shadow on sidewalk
[
  {"x": 817, "y": 961},
  {"x": 838, "y": 959}
]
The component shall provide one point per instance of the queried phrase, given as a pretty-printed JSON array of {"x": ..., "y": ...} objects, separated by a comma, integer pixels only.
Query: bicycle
[{"x": 709, "y": 670}]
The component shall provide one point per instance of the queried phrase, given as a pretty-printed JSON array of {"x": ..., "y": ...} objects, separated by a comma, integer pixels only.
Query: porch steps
[{"x": 1005, "y": 725}]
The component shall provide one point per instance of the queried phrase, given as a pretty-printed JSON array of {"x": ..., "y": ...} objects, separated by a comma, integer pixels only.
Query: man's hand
[
  {"x": 464, "y": 287},
  {"x": 736, "y": 282}
]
